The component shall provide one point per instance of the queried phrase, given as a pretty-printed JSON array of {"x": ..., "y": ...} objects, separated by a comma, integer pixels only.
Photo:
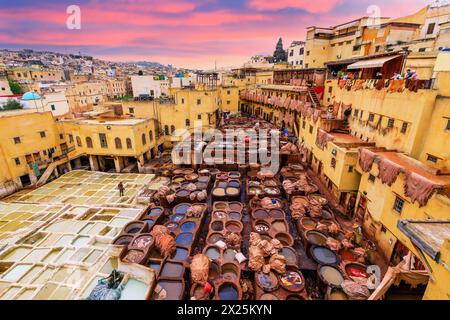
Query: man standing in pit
[{"x": 121, "y": 188}]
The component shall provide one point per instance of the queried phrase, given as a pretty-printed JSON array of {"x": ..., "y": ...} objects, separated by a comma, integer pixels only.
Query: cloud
[{"x": 313, "y": 6}]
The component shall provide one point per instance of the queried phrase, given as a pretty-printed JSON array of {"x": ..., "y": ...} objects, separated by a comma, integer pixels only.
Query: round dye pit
[
  {"x": 228, "y": 291},
  {"x": 234, "y": 215},
  {"x": 261, "y": 226},
  {"x": 289, "y": 254},
  {"x": 149, "y": 222},
  {"x": 292, "y": 281},
  {"x": 182, "y": 193},
  {"x": 308, "y": 223},
  {"x": 123, "y": 240},
  {"x": 316, "y": 238},
  {"x": 336, "y": 294},
  {"x": 268, "y": 282},
  {"x": 347, "y": 255},
  {"x": 261, "y": 214},
  {"x": 331, "y": 275},
  {"x": 177, "y": 217},
  {"x": 220, "y": 206},
  {"x": 213, "y": 253},
  {"x": 184, "y": 239},
  {"x": 172, "y": 226},
  {"x": 285, "y": 239},
  {"x": 217, "y": 226},
  {"x": 156, "y": 266},
  {"x": 134, "y": 227},
  {"x": 327, "y": 214},
  {"x": 219, "y": 215},
  {"x": 233, "y": 226},
  {"x": 187, "y": 226},
  {"x": 268, "y": 296},
  {"x": 229, "y": 254},
  {"x": 234, "y": 184},
  {"x": 142, "y": 241},
  {"x": 279, "y": 226},
  {"x": 276, "y": 214},
  {"x": 356, "y": 270},
  {"x": 181, "y": 209},
  {"x": 235, "y": 206},
  {"x": 219, "y": 192},
  {"x": 230, "y": 271},
  {"x": 232, "y": 191},
  {"x": 323, "y": 255},
  {"x": 213, "y": 271},
  {"x": 134, "y": 256},
  {"x": 174, "y": 289},
  {"x": 214, "y": 237}
]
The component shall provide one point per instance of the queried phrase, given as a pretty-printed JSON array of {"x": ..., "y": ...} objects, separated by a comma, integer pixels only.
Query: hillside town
[{"x": 318, "y": 172}]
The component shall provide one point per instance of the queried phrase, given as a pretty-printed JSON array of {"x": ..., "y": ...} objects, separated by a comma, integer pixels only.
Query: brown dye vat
[
  {"x": 235, "y": 206},
  {"x": 217, "y": 226},
  {"x": 123, "y": 240},
  {"x": 327, "y": 215},
  {"x": 330, "y": 276},
  {"x": 174, "y": 185},
  {"x": 339, "y": 236},
  {"x": 230, "y": 271},
  {"x": 134, "y": 227},
  {"x": 214, "y": 237},
  {"x": 308, "y": 224},
  {"x": 261, "y": 226},
  {"x": 265, "y": 237},
  {"x": 285, "y": 239},
  {"x": 155, "y": 254},
  {"x": 201, "y": 185},
  {"x": 203, "y": 179},
  {"x": 214, "y": 271},
  {"x": 314, "y": 237},
  {"x": 323, "y": 255},
  {"x": 279, "y": 226},
  {"x": 276, "y": 214},
  {"x": 182, "y": 193},
  {"x": 188, "y": 171},
  {"x": 191, "y": 177},
  {"x": 268, "y": 282},
  {"x": 174, "y": 289},
  {"x": 234, "y": 226},
  {"x": 220, "y": 206},
  {"x": 172, "y": 270},
  {"x": 134, "y": 256},
  {"x": 155, "y": 265},
  {"x": 260, "y": 214}
]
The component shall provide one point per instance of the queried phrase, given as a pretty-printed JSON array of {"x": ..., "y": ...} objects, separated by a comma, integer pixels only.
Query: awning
[{"x": 372, "y": 63}]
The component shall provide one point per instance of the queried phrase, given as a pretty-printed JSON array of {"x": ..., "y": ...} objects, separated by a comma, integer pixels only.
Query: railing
[{"x": 389, "y": 84}]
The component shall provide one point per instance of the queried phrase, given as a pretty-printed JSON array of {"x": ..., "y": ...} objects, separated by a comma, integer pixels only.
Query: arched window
[
  {"x": 150, "y": 134},
  {"x": 129, "y": 144},
  {"x": 79, "y": 142},
  {"x": 166, "y": 130},
  {"x": 118, "y": 143},
  {"x": 188, "y": 123},
  {"x": 89, "y": 142},
  {"x": 172, "y": 129},
  {"x": 144, "y": 139}
]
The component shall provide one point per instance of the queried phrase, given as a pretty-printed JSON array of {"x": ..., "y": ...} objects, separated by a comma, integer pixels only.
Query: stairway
[
  {"x": 314, "y": 99},
  {"x": 48, "y": 171},
  {"x": 344, "y": 127}
]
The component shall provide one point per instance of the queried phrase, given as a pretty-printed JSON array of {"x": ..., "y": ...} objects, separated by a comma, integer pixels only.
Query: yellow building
[{"x": 35, "y": 74}]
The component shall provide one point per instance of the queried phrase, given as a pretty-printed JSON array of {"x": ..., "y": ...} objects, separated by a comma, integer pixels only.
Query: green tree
[
  {"x": 12, "y": 104},
  {"x": 15, "y": 87}
]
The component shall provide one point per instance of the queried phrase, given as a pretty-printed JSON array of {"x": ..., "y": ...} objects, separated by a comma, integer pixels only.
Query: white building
[
  {"x": 185, "y": 81},
  {"x": 149, "y": 86},
  {"x": 296, "y": 53}
]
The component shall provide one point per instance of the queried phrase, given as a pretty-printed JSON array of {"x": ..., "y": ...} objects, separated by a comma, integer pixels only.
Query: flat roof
[
  {"x": 114, "y": 122},
  {"x": 428, "y": 235}
]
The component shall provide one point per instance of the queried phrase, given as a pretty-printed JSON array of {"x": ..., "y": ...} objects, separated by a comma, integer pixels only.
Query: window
[
  {"x": 188, "y": 122},
  {"x": 310, "y": 129},
  {"x": 144, "y": 139},
  {"x": 371, "y": 178},
  {"x": 333, "y": 162},
  {"x": 377, "y": 48},
  {"x": 17, "y": 161},
  {"x": 199, "y": 117},
  {"x": 390, "y": 123},
  {"x": 182, "y": 100},
  {"x": 150, "y": 135},
  {"x": 17, "y": 140},
  {"x": 330, "y": 89},
  {"x": 53, "y": 107},
  {"x": 79, "y": 142},
  {"x": 383, "y": 229},
  {"x": 307, "y": 53},
  {"x": 355, "y": 113},
  {"x": 118, "y": 143},
  {"x": 404, "y": 127},
  {"x": 129, "y": 144},
  {"x": 42, "y": 134},
  {"x": 448, "y": 125},
  {"x": 228, "y": 102},
  {"x": 422, "y": 49},
  {"x": 228, "y": 92},
  {"x": 172, "y": 129},
  {"x": 131, "y": 110},
  {"x": 89, "y": 142},
  {"x": 103, "y": 141},
  {"x": 199, "y": 101},
  {"x": 371, "y": 117},
  {"x": 432, "y": 158},
  {"x": 350, "y": 168},
  {"x": 166, "y": 130},
  {"x": 398, "y": 204},
  {"x": 430, "y": 29},
  {"x": 302, "y": 50},
  {"x": 70, "y": 138},
  {"x": 304, "y": 124},
  {"x": 61, "y": 136},
  {"x": 361, "y": 114}
]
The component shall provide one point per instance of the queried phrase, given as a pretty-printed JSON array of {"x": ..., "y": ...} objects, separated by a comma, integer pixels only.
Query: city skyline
[{"x": 183, "y": 33}]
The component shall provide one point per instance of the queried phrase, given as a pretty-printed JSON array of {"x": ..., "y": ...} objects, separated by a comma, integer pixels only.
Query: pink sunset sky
[{"x": 185, "y": 33}]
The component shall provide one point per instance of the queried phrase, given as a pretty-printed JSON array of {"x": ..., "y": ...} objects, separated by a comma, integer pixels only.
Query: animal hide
[
  {"x": 366, "y": 158},
  {"x": 323, "y": 138},
  {"x": 419, "y": 188},
  {"x": 388, "y": 171}
]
